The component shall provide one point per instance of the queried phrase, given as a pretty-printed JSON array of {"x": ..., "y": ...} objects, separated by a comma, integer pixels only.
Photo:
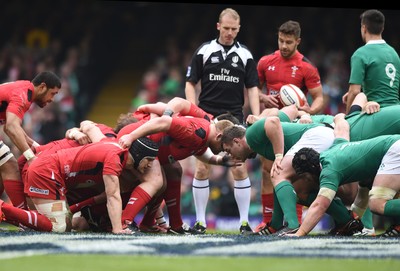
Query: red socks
[
  {"x": 78, "y": 206},
  {"x": 15, "y": 192},
  {"x": 139, "y": 198},
  {"x": 149, "y": 218},
  {"x": 173, "y": 201},
  {"x": 267, "y": 201},
  {"x": 30, "y": 219}
]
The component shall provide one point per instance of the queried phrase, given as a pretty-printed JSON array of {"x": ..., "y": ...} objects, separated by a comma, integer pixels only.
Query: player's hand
[
  {"x": 82, "y": 138},
  {"x": 124, "y": 231},
  {"x": 229, "y": 161},
  {"x": 271, "y": 101},
  {"x": 306, "y": 107},
  {"x": 306, "y": 118},
  {"x": 276, "y": 167},
  {"x": 251, "y": 119},
  {"x": 125, "y": 141},
  {"x": 290, "y": 235},
  {"x": 344, "y": 98},
  {"x": 372, "y": 107}
]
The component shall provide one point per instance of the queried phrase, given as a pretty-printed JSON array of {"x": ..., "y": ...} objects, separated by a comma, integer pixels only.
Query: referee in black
[{"x": 225, "y": 69}]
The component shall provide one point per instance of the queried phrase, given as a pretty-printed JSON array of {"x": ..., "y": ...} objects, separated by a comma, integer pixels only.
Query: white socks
[
  {"x": 201, "y": 193},
  {"x": 242, "y": 193}
]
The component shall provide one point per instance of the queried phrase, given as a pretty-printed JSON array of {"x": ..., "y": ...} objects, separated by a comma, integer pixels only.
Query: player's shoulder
[
  {"x": 207, "y": 45},
  {"x": 241, "y": 45},
  {"x": 268, "y": 59},
  {"x": 305, "y": 61},
  {"x": 360, "y": 52},
  {"x": 17, "y": 85}
]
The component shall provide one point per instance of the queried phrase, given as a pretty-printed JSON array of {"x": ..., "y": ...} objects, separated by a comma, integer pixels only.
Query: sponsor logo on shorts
[{"x": 38, "y": 190}]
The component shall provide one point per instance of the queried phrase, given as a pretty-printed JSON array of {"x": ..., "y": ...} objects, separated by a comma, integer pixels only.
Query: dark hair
[
  {"x": 49, "y": 78},
  {"x": 141, "y": 148},
  {"x": 230, "y": 133},
  {"x": 306, "y": 160},
  {"x": 227, "y": 116},
  {"x": 374, "y": 21},
  {"x": 290, "y": 28}
]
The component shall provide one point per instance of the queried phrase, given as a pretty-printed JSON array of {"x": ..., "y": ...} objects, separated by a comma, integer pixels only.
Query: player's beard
[
  {"x": 287, "y": 53},
  {"x": 40, "y": 100}
]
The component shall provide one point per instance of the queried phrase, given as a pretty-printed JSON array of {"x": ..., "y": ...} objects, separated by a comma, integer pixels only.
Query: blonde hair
[
  {"x": 123, "y": 120},
  {"x": 231, "y": 12},
  {"x": 221, "y": 125}
]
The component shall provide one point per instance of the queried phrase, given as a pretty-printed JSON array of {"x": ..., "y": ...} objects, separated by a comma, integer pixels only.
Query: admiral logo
[
  {"x": 271, "y": 68},
  {"x": 38, "y": 190}
]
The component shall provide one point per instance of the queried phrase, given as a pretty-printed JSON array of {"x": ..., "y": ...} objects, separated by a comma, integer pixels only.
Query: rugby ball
[{"x": 291, "y": 94}]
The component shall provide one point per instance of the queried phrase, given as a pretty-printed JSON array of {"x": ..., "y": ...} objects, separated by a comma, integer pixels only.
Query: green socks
[{"x": 287, "y": 199}]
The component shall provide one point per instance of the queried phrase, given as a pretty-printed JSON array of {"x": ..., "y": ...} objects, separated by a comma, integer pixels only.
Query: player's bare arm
[
  {"x": 13, "y": 129},
  {"x": 318, "y": 101},
  {"x": 351, "y": 94},
  {"x": 274, "y": 132},
  {"x": 254, "y": 100},
  {"x": 314, "y": 215},
  {"x": 155, "y": 125},
  {"x": 342, "y": 127},
  {"x": 91, "y": 130},
  {"x": 190, "y": 92},
  {"x": 114, "y": 202}
]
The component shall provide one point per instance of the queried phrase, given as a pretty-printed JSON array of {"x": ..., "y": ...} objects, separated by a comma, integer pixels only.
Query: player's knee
[
  {"x": 376, "y": 206},
  {"x": 57, "y": 212},
  {"x": 378, "y": 196},
  {"x": 240, "y": 172},
  {"x": 380, "y": 192},
  {"x": 202, "y": 171},
  {"x": 6, "y": 154},
  {"x": 59, "y": 221}
]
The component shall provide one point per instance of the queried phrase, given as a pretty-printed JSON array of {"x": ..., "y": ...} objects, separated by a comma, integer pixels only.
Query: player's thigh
[
  {"x": 287, "y": 172},
  {"x": 347, "y": 193},
  {"x": 57, "y": 211},
  {"x": 173, "y": 171},
  {"x": 390, "y": 181},
  {"x": 9, "y": 168}
]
